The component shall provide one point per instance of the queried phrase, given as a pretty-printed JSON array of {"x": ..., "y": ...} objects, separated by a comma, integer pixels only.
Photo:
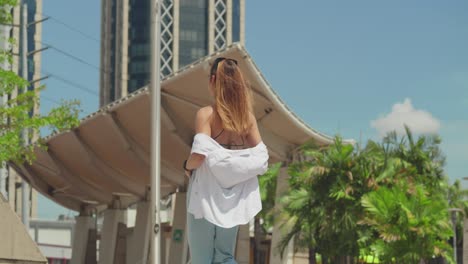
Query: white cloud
[{"x": 419, "y": 121}]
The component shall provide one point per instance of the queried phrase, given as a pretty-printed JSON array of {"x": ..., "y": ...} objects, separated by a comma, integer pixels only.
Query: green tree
[
  {"x": 15, "y": 114},
  {"x": 412, "y": 225},
  {"x": 411, "y": 176},
  {"x": 323, "y": 206},
  {"x": 324, "y": 210},
  {"x": 267, "y": 184}
]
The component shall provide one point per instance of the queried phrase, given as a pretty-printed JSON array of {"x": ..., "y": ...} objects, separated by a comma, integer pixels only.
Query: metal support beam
[
  {"x": 155, "y": 80},
  {"x": 25, "y": 189},
  {"x": 46, "y": 168},
  {"x": 39, "y": 79},
  {"x": 108, "y": 171},
  {"x": 29, "y": 175},
  {"x": 77, "y": 182},
  {"x": 38, "y": 21},
  {"x": 170, "y": 174},
  {"x": 130, "y": 144},
  {"x": 43, "y": 187},
  {"x": 135, "y": 148},
  {"x": 167, "y": 121}
]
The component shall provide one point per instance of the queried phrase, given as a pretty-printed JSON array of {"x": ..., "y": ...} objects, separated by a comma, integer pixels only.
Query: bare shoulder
[
  {"x": 205, "y": 111},
  {"x": 202, "y": 120},
  {"x": 253, "y": 136},
  {"x": 252, "y": 119}
]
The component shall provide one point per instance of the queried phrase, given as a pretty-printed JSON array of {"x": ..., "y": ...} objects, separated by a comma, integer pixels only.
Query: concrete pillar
[
  {"x": 228, "y": 23},
  {"x": 175, "y": 38},
  {"x": 105, "y": 63},
  {"x": 107, "y": 245},
  {"x": 243, "y": 245},
  {"x": 178, "y": 245},
  {"x": 138, "y": 241},
  {"x": 18, "y": 197},
  {"x": 33, "y": 207},
  {"x": 3, "y": 173},
  {"x": 80, "y": 238},
  {"x": 275, "y": 256},
  {"x": 124, "y": 50},
  {"x": 120, "y": 254},
  {"x": 11, "y": 187},
  {"x": 211, "y": 26},
  {"x": 242, "y": 22}
]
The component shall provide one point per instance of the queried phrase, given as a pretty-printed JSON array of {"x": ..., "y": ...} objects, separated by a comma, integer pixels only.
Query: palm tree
[
  {"x": 410, "y": 163},
  {"x": 412, "y": 226},
  {"x": 418, "y": 160},
  {"x": 333, "y": 202},
  {"x": 322, "y": 209}
]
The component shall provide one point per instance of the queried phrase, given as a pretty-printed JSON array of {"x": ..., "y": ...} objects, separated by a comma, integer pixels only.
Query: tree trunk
[
  {"x": 324, "y": 260},
  {"x": 342, "y": 260},
  {"x": 312, "y": 259}
]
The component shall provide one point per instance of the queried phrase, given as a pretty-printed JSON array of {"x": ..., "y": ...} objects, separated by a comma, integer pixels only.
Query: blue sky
[{"x": 349, "y": 67}]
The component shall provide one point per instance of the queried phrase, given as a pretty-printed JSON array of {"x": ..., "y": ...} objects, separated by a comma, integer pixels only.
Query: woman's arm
[{"x": 202, "y": 125}]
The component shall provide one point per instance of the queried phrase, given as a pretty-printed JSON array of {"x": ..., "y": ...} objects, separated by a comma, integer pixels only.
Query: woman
[{"x": 227, "y": 156}]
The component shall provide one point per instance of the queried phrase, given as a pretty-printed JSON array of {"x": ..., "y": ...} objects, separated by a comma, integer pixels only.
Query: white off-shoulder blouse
[{"x": 224, "y": 189}]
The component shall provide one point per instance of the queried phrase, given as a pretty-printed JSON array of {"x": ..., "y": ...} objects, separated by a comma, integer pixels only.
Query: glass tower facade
[
  {"x": 139, "y": 48},
  {"x": 193, "y": 31},
  {"x": 31, "y": 36},
  {"x": 187, "y": 34}
]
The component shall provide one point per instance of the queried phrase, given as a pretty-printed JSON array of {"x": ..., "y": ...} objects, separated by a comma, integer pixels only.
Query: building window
[
  {"x": 139, "y": 67},
  {"x": 193, "y": 30},
  {"x": 236, "y": 12},
  {"x": 140, "y": 49}
]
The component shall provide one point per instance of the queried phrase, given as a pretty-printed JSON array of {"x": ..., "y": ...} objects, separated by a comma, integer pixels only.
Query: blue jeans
[{"x": 209, "y": 243}]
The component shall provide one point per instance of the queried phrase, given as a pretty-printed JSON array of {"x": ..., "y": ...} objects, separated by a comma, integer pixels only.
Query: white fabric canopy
[{"x": 108, "y": 155}]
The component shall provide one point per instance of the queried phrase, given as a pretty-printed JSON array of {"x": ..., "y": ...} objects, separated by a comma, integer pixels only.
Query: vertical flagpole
[
  {"x": 155, "y": 244},
  {"x": 25, "y": 133}
]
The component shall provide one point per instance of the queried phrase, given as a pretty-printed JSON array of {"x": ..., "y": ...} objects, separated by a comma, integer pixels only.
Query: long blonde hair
[{"x": 233, "y": 97}]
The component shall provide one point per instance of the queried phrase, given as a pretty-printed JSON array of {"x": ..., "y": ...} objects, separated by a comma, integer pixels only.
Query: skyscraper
[
  {"x": 10, "y": 182},
  {"x": 190, "y": 29}
]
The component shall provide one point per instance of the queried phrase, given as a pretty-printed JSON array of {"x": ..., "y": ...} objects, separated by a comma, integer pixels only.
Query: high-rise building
[
  {"x": 10, "y": 181},
  {"x": 190, "y": 29}
]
